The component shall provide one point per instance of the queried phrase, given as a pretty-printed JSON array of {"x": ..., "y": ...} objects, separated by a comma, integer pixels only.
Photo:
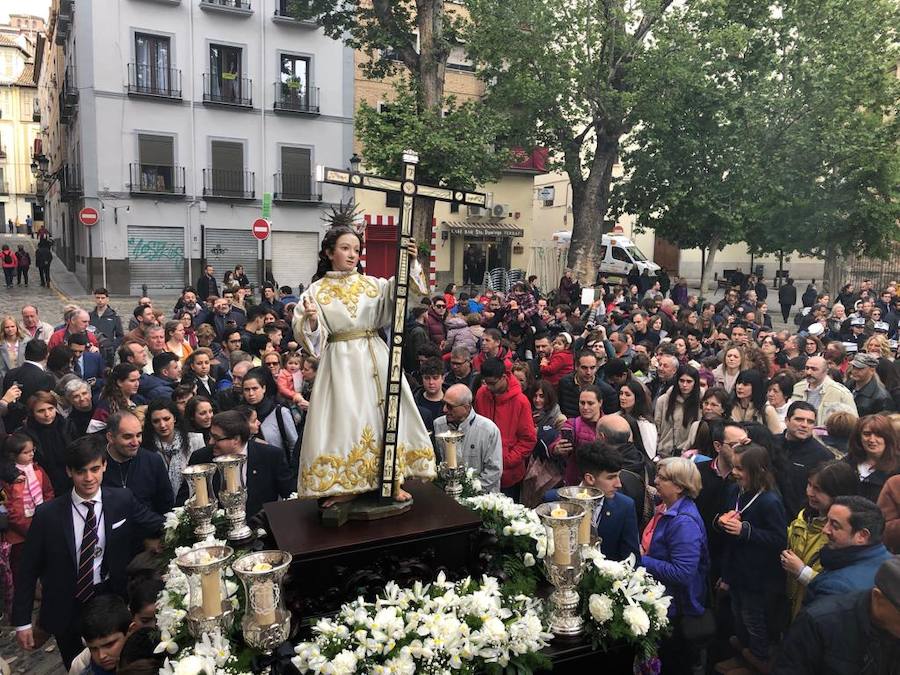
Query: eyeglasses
[
  {"x": 271, "y": 364},
  {"x": 732, "y": 444},
  {"x": 216, "y": 438},
  {"x": 440, "y": 306}
]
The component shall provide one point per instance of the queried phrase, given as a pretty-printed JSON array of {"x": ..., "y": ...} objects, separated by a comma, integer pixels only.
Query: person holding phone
[{"x": 577, "y": 431}]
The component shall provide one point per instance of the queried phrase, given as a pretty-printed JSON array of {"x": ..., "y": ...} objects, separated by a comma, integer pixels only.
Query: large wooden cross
[{"x": 410, "y": 189}]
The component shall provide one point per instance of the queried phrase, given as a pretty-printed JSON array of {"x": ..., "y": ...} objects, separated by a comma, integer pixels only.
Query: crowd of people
[{"x": 753, "y": 471}]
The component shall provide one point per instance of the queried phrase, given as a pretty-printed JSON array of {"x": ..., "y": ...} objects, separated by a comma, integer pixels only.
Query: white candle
[
  {"x": 584, "y": 527},
  {"x": 201, "y": 495},
  {"x": 561, "y": 553},
  {"x": 263, "y": 600},
  {"x": 450, "y": 450},
  {"x": 211, "y": 594},
  {"x": 232, "y": 480}
]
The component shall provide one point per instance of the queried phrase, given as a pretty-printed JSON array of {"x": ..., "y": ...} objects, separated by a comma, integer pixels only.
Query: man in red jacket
[{"x": 501, "y": 400}]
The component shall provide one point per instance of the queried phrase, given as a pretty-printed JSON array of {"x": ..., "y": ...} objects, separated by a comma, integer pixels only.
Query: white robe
[{"x": 341, "y": 448}]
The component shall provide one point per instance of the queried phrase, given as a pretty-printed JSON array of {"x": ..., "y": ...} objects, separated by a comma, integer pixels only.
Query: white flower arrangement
[
  {"x": 436, "y": 628},
  {"x": 624, "y": 602},
  {"x": 515, "y": 520},
  {"x": 210, "y": 656}
]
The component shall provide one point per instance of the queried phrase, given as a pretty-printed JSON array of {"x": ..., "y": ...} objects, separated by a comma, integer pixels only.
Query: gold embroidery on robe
[
  {"x": 347, "y": 290},
  {"x": 360, "y": 470}
]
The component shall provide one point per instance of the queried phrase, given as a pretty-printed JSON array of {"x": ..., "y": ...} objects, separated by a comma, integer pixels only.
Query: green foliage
[
  {"x": 455, "y": 147},
  {"x": 776, "y": 126}
]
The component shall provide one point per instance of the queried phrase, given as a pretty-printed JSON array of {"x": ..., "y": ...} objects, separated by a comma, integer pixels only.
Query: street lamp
[{"x": 355, "y": 161}]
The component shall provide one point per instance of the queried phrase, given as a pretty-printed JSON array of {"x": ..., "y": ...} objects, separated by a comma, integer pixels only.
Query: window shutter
[
  {"x": 156, "y": 150},
  {"x": 228, "y": 156}
]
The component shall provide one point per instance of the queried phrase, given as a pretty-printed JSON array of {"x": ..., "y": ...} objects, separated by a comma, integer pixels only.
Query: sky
[{"x": 36, "y": 7}]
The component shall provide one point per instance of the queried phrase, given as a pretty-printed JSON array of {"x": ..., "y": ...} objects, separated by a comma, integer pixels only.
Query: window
[
  {"x": 152, "y": 64},
  {"x": 227, "y": 173},
  {"x": 296, "y": 173},
  {"x": 294, "y": 81},
  {"x": 603, "y": 252},
  {"x": 454, "y": 207},
  {"x": 458, "y": 60},
  {"x": 393, "y": 200},
  {"x": 156, "y": 157},
  {"x": 225, "y": 81},
  {"x": 618, "y": 253}
]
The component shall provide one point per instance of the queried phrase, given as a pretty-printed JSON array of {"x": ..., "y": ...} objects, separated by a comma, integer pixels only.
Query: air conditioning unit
[
  {"x": 500, "y": 210},
  {"x": 475, "y": 211}
]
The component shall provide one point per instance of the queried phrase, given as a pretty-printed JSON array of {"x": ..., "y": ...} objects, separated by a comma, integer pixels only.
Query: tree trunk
[
  {"x": 706, "y": 272},
  {"x": 837, "y": 271},
  {"x": 590, "y": 202},
  {"x": 423, "y": 215}
]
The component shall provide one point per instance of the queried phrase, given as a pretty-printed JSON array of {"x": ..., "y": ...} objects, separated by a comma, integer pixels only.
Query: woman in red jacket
[
  {"x": 28, "y": 491},
  {"x": 561, "y": 361}
]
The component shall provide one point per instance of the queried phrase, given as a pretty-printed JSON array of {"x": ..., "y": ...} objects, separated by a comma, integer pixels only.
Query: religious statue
[{"x": 338, "y": 319}]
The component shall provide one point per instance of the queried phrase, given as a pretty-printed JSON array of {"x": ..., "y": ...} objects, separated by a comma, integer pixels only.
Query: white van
[{"x": 618, "y": 254}]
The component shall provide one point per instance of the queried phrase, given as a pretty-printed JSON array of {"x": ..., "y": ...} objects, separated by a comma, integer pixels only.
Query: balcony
[
  {"x": 155, "y": 180},
  {"x": 153, "y": 82},
  {"x": 4, "y": 187},
  {"x": 68, "y": 97},
  {"x": 240, "y": 7},
  {"x": 228, "y": 89},
  {"x": 296, "y": 188},
  {"x": 290, "y": 97},
  {"x": 287, "y": 11},
  {"x": 532, "y": 162},
  {"x": 70, "y": 186},
  {"x": 229, "y": 183},
  {"x": 36, "y": 111}
]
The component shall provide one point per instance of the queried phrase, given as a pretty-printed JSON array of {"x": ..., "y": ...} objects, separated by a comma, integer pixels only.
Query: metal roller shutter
[
  {"x": 294, "y": 257},
  {"x": 225, "y": 249},
  {"x": 155, "y": 258}
]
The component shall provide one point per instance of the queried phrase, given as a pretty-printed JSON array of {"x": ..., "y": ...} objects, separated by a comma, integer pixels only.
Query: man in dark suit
[
  {"x": 89, "y": 366},
  {"x": 31, "y": 376},
  {"x": 78, "y": 546},
  {"x": 268, "y": 477},
  {"x": 614, "y": 518}
]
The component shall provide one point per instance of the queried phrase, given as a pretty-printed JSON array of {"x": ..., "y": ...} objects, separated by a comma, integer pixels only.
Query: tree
[
  {"x": 564, "y": 72},
  {"x": 770, "y": 124},
  {"x": 413, "y": 41}
]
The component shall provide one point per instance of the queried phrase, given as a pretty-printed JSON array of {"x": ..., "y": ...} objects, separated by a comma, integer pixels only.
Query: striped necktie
[{"x": 84, "y": 586}]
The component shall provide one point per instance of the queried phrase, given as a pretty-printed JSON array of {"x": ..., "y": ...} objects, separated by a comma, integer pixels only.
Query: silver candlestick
[
  {"x": 266, "y": 623},
  {"x": 233, "y": 495},
  {"x": 450, "y": 468},
  {"x": 563, "y": 564},
  {"x": 201, "y": 504},
  {"x": 208, "y": 609}
]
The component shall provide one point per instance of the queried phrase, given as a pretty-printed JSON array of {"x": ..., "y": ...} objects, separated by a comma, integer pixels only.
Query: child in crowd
[
  {"x": 105, "y": 623},
  {"x": 289, "y": 379},
  {"x": 30, "y": 489}
]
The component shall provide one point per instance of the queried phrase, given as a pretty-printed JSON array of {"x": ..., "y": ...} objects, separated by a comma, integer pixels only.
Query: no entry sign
[
  {"x": 261, "y": 228},
  {"x": 88, "y": 216}
]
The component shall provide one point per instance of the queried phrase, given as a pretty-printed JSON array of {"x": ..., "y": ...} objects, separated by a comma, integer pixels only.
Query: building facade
[
  {"x": 18, "y": 130},
  {"x": 181, "y": 122},
  {"x": 498, "y": 234}
]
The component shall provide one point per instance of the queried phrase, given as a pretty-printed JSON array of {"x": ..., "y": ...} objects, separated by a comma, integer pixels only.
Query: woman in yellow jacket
[{"x": 804, "y": 536}]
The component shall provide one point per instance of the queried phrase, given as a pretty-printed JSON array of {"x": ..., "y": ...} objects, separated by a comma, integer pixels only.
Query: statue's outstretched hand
[{"x": 310, "y": 313}]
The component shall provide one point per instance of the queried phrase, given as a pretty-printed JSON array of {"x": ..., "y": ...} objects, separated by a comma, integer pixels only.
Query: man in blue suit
[
  {"x": 78, "y": 546},
  {"x": 88, "y": 365},
  {"x": 615, "y": 519}
]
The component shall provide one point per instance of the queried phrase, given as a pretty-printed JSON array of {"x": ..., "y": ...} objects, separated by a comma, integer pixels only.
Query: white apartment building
[{"x": 176, "y": 120}]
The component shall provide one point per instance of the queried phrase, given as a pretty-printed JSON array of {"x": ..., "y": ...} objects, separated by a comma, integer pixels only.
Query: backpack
[{"x": 7, "y": 259}]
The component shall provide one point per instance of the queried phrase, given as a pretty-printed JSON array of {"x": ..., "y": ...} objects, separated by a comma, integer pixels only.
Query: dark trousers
[
  {"x": 785, "y": 311},
  {"x": 8, "y": 273},
  {"x": 69, "y": 644},
  {"x": 750, "y": 612},
  {"x": 45, "y": 275},
  {"x": 22, "y": 272}
]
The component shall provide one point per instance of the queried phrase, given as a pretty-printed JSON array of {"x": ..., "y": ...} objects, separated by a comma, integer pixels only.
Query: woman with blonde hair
[
  {"x": 12, "y": 345},
  {"x": 878, "y": 345},
  {"x": 725, "y": 374}
]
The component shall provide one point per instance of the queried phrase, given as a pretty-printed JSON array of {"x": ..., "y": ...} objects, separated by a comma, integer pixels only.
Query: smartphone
[{"x": 567, "y": 435}]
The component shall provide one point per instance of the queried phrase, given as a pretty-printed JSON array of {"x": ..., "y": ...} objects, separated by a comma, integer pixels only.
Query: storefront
[{"x": 478, "y": 247}]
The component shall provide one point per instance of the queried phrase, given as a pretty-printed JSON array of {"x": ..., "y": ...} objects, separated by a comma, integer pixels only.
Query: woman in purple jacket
[{"x": 675, "y": 553}]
